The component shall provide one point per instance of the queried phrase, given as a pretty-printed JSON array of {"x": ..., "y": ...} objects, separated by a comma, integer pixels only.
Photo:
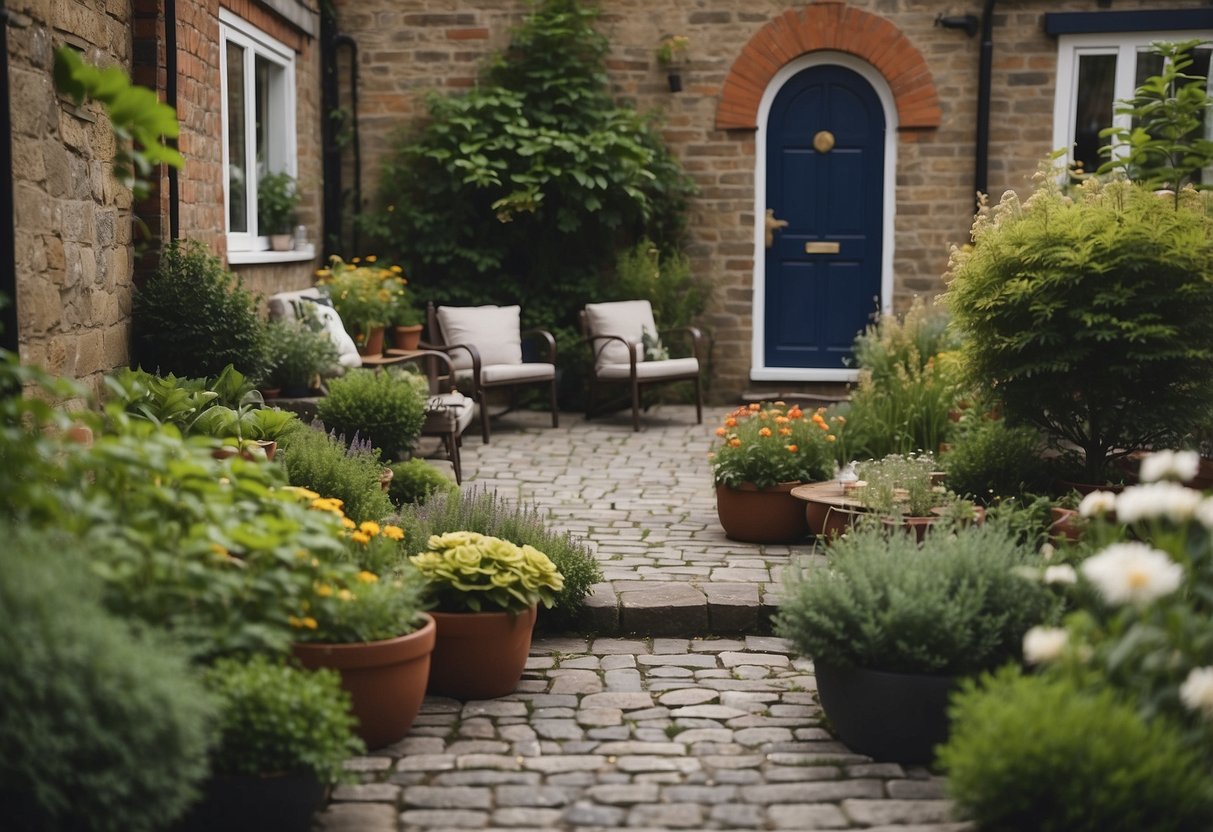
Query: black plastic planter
[
  {"x": 891, "y": 717},
  {"x": 254, "y": 804}
]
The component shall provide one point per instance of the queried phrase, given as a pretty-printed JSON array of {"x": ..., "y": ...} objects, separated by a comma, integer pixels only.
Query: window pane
[
  {"x": 265, "y": 125},
  {"x": 1093, "y": 108},
  {"x": 237, "y": 153}
]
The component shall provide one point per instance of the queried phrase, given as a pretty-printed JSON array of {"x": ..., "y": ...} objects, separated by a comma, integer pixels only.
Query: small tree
[{"x": 1089, "y": 317}]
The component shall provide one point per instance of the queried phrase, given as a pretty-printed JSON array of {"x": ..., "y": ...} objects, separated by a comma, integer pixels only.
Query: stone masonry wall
[{"x": 409, "y": 47}]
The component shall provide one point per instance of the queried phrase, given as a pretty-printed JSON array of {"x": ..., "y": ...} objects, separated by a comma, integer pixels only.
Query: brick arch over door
[{"x": 829, "y": 24}]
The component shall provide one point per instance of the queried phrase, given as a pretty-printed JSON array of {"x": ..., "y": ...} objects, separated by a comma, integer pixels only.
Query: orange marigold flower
[
  {"x": 755, "y": 407},
  {"x": 792, "y": 448},
  {"x": 734, "y": 442},
  {"x": 721, "y": 431},
  {"x": 782, "y": 420},
  {"x": 779, "y": 404},
  {"x": 795, "y": 413},
  {"x": 785, "y": 431},
  {"x": 763, "y": 415},
  {"x": 764, "y": 432},
  {"x": 730, "y": 422}
]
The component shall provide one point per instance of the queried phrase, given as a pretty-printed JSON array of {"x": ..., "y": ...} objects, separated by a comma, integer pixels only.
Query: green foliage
[
  {"x": 296, "y": 354},
  {"x": 369, "y": 608},
  {"x": 899, "y": 484},
  {"x": 485, "y": 512},
  {"x": 1086, "y": 316},
  {"x": 1033, "y": 754},
  {"x": 990, "y": 460},
  {"x": 1166, "y": 146},
  {"x": 952, "y": 606},
  {"x": 320, "y": 462},
  {"x": 277, "y": 718},
  {"x": 192, "y": 318},
  {"x": 908, "y": 382},
  {"x": 385, "y": 408},
  {"x": 414, "y": 480},
  {"x": 665, "y": 280},
  {"x": 525, "y": 188},
  {"x": 767, "y": 444},
  {"x": 470, "y": 572},
  {"x": 277, "y": 199},
  {"x": 102, "y": 727},
  {"x": 140, "y": 121}
]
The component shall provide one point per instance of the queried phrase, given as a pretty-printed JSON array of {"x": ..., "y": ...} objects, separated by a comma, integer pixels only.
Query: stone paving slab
[
  {"x": 571, "y": 751},
  {"x": 646, "y": 504}
]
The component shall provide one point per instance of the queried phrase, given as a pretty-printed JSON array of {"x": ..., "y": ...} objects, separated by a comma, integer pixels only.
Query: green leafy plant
[
  {"x": 141, "y": 122},
  {"x": 193, "y": 318},
  {"x": 322, "y": 463},
  {"x": 956, "y": 605},
  {"x": 483, "y": 511},
  {"x": 665, "y": 279},
  {"x": 1037, "y": 754},
  {"x": 276, "y": 718},
  {"x": 470, "y": 572},
  {"x": 264, "y": 423},
  {"x": 414, "y": 480},
  {"x": 297, "y": 355},
  {"x": 989, "y": 460},
  {"x": 385, "y": 408},
  {"x": 103, "y": 725},
  {"x": 161, "y": 400},
  {"x": 1083, "y": 315},
  {"x": 1165, "y": 145},
  {"x": 897, "y": 485},
  {"x": 672, "y": 50},
  {"x": 277, "y": 201},
  {"x": 366, "y": 293},
  {"x": 767, "y": 444}
]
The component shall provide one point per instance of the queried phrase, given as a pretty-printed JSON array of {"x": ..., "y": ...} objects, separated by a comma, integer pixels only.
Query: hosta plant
[{"x": 470, "y": 572}]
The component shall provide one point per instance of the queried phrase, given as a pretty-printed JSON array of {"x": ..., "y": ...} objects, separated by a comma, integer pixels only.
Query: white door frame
[{"x": 758, "y": 369}]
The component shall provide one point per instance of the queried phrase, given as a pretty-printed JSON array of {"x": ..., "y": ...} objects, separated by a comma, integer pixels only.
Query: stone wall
[{"x": 408, "y": 47}]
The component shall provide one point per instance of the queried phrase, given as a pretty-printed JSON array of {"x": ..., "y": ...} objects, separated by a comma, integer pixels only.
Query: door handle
[
  {"x": 772, "y": 225},
  {"x": 821, "y": 248}
]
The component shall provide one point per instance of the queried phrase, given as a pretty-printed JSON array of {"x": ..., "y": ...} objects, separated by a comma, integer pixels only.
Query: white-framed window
[
  {"x": 258, "y": 91},
  {"x": 1095, "y": 72}
]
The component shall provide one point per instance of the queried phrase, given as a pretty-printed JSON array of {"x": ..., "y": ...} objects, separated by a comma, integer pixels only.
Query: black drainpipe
[
  {"x": 332, "y": 42},
  {"x": 8, "y": 260},
  {"x": 981, "y": 172},
  {"x": 170, "y": 95}
]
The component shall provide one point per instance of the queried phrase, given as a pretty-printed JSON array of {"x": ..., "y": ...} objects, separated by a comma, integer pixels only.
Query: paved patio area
[
  {"x": 646, "y": 503},
  {"x": 697, "y": 722}
]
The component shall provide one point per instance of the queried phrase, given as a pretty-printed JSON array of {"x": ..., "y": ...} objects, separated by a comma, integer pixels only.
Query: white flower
[
  {"x": 1132, "y": 572},
  {"x": 1044, "y": 644},
  {"x": 1047, "y": 551},
  {"x": 1097, "y": 502},
  {"x": 1197, "y": 691},
  {"x": 1060, "y": 575},
  {"x": 1170, "y": 465},
  {"x": 1158, "y": 499},
  {"x": 1204, "y": 512}
]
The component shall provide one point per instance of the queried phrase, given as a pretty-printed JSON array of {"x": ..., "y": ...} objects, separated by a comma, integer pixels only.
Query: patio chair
[
  {"x": 485, "y": 346},
  {"x": 616, "y": 333},
  {"x": 447, "y": 412}
]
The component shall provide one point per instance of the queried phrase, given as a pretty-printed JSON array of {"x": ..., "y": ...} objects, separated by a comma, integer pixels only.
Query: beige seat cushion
[
  {"x": 495, "y": 332},
  {"x": 628, "y": 319},
  {"x": 285, "y": 306},
  {"x": 448, "y": 413},
  {"x": 507, "y": 373},
  {"x": 652, "y": 370}
]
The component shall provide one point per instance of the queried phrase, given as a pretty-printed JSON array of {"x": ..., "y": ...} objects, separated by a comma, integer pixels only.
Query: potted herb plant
[
  {"x": 364, "y": 294},
  {"x": 903, "y": 490},
  {"x": 405, "y": 317},
  {"x": 891, "y": 626},
  {"x": 277, "y": 201},
  {"x": 486, "y": 592},
  {"x": 762, "y": 452},
  {"x": 284, "y": 734},
  {"x": 298, "y": 357},
  {"x": 672, "y": 54}
]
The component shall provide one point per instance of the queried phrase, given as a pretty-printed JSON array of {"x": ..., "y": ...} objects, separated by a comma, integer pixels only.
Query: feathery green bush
[{"x": 386, "y": 408}]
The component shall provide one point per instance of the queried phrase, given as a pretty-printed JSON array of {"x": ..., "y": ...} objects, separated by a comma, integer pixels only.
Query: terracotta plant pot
[
  {"x": 385, "y": 679},
  {"x": 891, "y": 717},
  {"x": 480, "y": 655},
  {"x": 1067, "y": 526},
  {"x": 766, "y": 515},
  {"x": 374, "y": 342},
  {"x": 406, "y": 337}
]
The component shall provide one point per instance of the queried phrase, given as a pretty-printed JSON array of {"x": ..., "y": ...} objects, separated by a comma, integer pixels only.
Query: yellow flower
[
  {"x": 324, "y": 590},
  {"x": 367, "y": 577},
  {"x": 370, "y": 258},
  {"x": 396, "y": 269},
  {"x": 831, "y": 437},
  {"x": 220, "y": 551},
  {"x": 348, "y": 523},
  {"x": 323, "y": 272},
  {"x": 345, "y": 595},
  {"x": 307, "y": 622},
  {"x": 393, "y": 532},
  {"x": 361, "y": 537},
  {"x": 304, "y": 493},
  {"x": 369, "y": 527},
  {"x": 356, "y": 260}
]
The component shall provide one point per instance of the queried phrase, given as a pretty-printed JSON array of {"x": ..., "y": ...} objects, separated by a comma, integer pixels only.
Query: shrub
[
  {"x": 991, "y": 460},
  {"x": 385, "y": 408},
  {"x": 477, "y": 510},
  {"x": 102, "y": 728},
  {"x": 1033, "y": 754},
  {"x": 1086, "y": 315},
  {"x": 953, "y": 606},
  {"x": 276, "y": 718},
  {"x": 296, "y": 354},
  {"x": 414, "y": 480},
  {"x": 321, "y": 462},
  {"x": 193, "y": 318}
]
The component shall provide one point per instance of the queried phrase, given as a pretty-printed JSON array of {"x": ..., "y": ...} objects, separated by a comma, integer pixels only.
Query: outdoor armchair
[
  {"x": 616, "y": 333},
  {"x": 485, "y": 346}
]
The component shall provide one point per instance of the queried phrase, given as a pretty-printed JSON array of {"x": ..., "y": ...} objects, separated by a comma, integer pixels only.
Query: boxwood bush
[{"x": 385, "y": 408}]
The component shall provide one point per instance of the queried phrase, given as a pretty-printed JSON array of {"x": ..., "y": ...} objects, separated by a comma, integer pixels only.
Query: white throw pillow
[
  {"x": 628, "y": 319},
  {"x": 495, "y": 332},
  {"x": 286, "y": 306}
]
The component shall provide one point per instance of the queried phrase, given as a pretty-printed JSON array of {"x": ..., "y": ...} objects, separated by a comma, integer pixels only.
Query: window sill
[{"x": 245, "y": 258}]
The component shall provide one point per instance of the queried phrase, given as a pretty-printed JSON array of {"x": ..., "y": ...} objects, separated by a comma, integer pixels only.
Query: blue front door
[{"x": 825, "y": 177}]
